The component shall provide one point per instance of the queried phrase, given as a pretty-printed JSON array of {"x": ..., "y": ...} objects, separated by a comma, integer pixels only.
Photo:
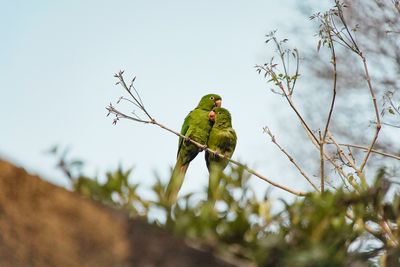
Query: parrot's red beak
[
  {"x": 211, "y": 116},
  {"x": 218, "y": 103}
]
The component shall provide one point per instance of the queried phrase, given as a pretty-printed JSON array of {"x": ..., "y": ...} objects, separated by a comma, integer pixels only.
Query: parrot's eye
[
  {"x": 211, "y": 97},
  {"x": 219, "y": 112}
]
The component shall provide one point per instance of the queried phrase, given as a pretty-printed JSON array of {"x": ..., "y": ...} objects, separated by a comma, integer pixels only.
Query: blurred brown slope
[{"x": 44, "y": 225}]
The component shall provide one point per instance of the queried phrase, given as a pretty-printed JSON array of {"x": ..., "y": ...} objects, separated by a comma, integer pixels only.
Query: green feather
[
  {"x": 196, "y": 126},
  {"x": 222, "y": 139}
]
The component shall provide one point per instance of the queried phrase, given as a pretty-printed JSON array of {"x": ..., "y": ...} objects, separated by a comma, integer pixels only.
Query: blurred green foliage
[{"x": 339, "y": 228}]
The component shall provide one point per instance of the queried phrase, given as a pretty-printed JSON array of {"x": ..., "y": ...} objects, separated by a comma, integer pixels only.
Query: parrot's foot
[
  {"x": 215, "y": 154},
  {"x": 202, "y": 148},
  {"x": 188, "y": 140}
]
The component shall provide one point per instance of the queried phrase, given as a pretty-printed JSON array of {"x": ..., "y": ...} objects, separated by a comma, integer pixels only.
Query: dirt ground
[{"x": 45, "y": 225}]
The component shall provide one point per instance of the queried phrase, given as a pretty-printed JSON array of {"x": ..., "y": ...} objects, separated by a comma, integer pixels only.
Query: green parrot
[
  {"x": 222, "y": 139},
  {"x": 196, "y": 126}
]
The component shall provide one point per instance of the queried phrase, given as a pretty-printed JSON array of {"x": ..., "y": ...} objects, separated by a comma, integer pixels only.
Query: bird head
[
  {"x": 208, "y": 102},
  {"x": 218, "y": 114}
]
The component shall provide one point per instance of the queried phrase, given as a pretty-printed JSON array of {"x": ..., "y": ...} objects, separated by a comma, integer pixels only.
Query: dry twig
[
  {"x": 291, "y": 159},
  {"x": 386, "y": 154}
]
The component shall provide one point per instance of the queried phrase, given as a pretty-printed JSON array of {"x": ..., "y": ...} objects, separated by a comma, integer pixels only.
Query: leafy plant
[{"x": 333, "y": 228}]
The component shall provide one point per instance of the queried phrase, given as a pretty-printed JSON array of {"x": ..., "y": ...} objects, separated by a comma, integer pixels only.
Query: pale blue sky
[{"x": 57, "y": 60}]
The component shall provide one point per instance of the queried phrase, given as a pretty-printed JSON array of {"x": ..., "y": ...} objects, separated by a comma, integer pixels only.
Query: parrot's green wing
[
  {"x": 196, "y": 127},
  {"x": 184, "y": 129}
]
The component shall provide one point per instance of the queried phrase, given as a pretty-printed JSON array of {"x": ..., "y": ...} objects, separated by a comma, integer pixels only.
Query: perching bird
[
  {"x": 222, "y": 139},
  {"x": 196, "y": 127}
]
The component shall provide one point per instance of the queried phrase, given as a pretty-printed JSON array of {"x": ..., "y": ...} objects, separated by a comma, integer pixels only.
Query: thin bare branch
[
  {"x": 291, "y": 159},
  {"x": 391, "y": 125},
  {"x": 138, "y": 101},
  {"x": 378, "y": 120},
  {"x": 343, "y": 154},
  {"x": 341, "y": 16},
  {"x": 349, "y": 160},
  {"x": 132, "y": 102},
  {"x": 303, "y": 122},
  {"x": 338, "y": 33},
  {"x": 296, "y": 75},
  {"x": 343, "y": 178},
  {"x": 281, "y": 54},
  {"x": 321, "y": 161},
  {"x": 333, "y": 55},
  {"x": 385, "y": 227},
  {"x": 120, "y": 115},
  {"x": 373, "y": 151},
  {"x": 351, "y": 154}
]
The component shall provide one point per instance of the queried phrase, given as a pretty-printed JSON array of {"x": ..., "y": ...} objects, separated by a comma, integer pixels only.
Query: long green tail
[
  {"x": 214, "y": 181},
  {"x": 176, "y": 181}
]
